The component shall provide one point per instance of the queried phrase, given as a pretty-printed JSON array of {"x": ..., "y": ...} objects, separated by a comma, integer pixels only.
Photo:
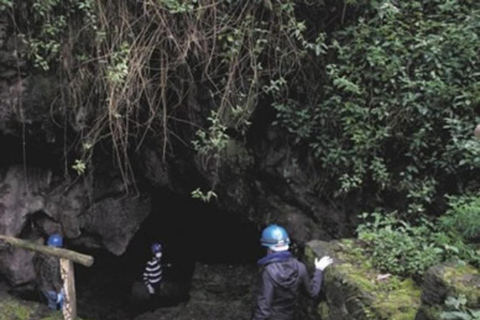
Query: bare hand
[{"x": 151, "y": 289}]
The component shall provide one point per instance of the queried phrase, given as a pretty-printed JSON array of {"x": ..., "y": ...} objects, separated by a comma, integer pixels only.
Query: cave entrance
[{"x": 190, "y": 231}]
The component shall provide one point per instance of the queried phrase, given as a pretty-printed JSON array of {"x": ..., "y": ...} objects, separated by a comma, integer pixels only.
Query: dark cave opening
[{"x": 190, "y": 231}]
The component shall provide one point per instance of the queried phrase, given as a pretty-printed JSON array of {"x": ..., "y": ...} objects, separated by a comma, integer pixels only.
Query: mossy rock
[
  {"x": 429, "y": 313},
  {"x": 352, "y": 290},
  {"x": 14, "y": 309},
  {"x": 451, "y": 280}
]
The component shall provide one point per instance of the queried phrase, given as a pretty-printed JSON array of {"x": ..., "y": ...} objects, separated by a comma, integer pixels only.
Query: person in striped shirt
[{"x": 153, "y": 272}]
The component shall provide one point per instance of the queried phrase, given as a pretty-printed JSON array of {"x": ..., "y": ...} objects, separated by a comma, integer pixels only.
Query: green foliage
[
  {"x": 459, "y": 229},
  {"x": 117, "y": 71},
  {"x": 204, "y": 196},
  {"x": 47, "y": 27},
  {"x": 13, "y": 309},
  {"x": 383, "y": 104},
  {"x": 79, "y": 167},
  {"x": 404, "y": 249},
  {"x": 457, "y": 310},
  {"x": 178, "y": 6},
  {"x": 463, "y": 217},
  {"x": 456, "y": 248},
  {"x": 209, "y": 146},
  {"x": 126, "y": 69},
  {"x": 397, "y": 247},
  {"x": 5, "y": 4},
  {"x": 399, "y": 105},
  {"x": 212, "y": 141}
]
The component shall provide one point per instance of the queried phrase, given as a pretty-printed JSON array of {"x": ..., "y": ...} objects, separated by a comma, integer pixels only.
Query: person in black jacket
[
  {"x": 49, "y": 280},
  {"x": 282, "y": 276}
]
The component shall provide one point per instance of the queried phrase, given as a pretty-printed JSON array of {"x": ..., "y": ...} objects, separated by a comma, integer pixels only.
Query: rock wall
[
  {"x": 260, "y": 177},
  {"x": 32, "y": 207}
]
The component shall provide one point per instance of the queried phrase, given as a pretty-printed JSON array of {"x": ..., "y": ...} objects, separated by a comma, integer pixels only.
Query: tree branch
[{"x": 58, "y": 252}]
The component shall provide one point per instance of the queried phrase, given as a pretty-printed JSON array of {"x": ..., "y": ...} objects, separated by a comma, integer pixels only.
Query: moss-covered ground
[
  {"x": 14, "y": 309},
  {"x": 464, "y": 280}
]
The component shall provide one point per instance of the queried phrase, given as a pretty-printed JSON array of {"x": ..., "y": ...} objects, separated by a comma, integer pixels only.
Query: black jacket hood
[
  {"x": 282, "y": 268},
  {"x": 285, "y": 273}
]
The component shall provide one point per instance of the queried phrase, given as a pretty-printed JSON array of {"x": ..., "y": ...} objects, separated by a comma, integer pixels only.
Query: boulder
[
  {"x": 450, "y": 279},
  {"x": 353, "y": 290},
  {"x": 32, "y": 207}
]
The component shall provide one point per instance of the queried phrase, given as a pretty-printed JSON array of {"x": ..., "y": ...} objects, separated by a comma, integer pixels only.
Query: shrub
[
  {"x": 459, "y": 229},
  {"x": 397, "y": 111},
  {"x": 397, "y": 247},
  {"x": 404, "y": 249},
  {"x": 463, "y": 217}
]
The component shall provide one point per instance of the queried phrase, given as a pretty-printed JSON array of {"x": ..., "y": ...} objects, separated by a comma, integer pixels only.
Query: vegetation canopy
[
  {"x": 398, "y": 110},
  {"x": 379, "y": 97},
  {"x": 133, "y": 69}
]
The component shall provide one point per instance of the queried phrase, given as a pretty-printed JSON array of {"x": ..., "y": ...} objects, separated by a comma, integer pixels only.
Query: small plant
[
  {"x": 118, "y": 70},
  {"x": 178, "y": 6},
  {"x": 212, "y": 141},
  {"x": 205, "y": 197},
  {"x": 457, "y": 310},
  {"x": 79, "y": 167}
]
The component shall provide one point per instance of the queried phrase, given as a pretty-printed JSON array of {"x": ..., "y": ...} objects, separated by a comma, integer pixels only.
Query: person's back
[
  {"x": 47, "y": 269},
  {"x": 283, "y": 277}
]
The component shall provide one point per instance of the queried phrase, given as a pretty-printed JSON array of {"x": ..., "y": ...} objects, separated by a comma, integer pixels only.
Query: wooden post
[
  {"x": 69, "y": 309},
  {"x": 67, "y": 257}
]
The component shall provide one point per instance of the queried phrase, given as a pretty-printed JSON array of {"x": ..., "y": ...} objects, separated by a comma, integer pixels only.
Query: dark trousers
[{"x": 154, "y": 299}]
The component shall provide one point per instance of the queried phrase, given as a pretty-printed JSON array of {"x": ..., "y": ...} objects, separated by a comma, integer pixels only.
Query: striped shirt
[{"x": 153, "y": 272}]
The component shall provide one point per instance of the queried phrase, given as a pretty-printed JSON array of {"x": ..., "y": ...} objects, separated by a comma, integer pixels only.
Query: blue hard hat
[
  {"x": 55, "y": 240},
  {"x": 156, "y": 247},
  {"x": 275, "y": 237}
]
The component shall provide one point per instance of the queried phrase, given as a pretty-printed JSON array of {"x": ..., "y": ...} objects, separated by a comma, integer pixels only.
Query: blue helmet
[
  {"x": 156, "y": 247},
  {"x": 55, "y": 240},
  {"x": 275, "y": 238}
]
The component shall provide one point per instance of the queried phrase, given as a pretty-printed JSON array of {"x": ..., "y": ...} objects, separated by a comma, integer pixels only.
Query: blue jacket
[{"x": 282, "y": 276}]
